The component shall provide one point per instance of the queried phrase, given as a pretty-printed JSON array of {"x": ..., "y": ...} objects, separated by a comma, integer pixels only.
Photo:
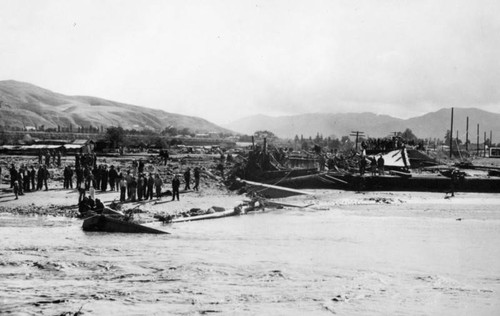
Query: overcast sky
[{"x": 223, "y": 60}]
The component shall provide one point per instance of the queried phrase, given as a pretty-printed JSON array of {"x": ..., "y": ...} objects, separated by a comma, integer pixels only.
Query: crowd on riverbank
[{"x": 131, "y": 178}]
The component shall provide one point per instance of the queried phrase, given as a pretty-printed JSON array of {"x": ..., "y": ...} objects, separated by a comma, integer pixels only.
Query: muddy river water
[{"x": 355, "y": 260}]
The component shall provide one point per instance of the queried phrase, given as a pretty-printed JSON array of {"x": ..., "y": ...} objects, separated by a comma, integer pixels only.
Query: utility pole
[
  {"x": 491, "y": 137},
  {"x": 357, "y": 134},
  {"x": 467, "y": 135},
  {"x": 484, "y": 145},
  {"x": 451, "y": 133},
  {"x": 477, "y": 145}
]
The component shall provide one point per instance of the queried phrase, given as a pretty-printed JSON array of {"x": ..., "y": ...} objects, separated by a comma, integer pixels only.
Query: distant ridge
[
  {"x": 24, "y": 104},
  {"x": 430, "y": 125}
]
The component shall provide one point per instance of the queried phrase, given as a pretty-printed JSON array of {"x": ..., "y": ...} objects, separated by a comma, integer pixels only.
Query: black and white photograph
[{"x": 249, "y": 157}]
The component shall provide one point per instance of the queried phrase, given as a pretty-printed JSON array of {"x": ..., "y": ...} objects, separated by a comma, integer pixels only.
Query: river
[{"x": 356, "y": 260}]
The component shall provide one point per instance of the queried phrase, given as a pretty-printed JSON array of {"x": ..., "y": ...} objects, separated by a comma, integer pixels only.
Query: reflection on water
[{"x": 286, "y": 262}]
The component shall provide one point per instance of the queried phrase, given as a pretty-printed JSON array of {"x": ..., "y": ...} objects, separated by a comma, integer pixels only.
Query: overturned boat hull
[{"x": 102, "y": 223}]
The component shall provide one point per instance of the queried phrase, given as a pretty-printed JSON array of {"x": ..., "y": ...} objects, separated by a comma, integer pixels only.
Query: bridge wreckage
[{"x": 266, "y": 170}]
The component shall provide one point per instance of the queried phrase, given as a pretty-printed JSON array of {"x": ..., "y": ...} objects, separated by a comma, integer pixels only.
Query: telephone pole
[
  {"x": 357, "y": 134},
  {"x": 467, "y": 135},
  {"x": 477, "y": 146},
  {"x": 484, "y": 145},
  {"x": 451, "y": 133}
]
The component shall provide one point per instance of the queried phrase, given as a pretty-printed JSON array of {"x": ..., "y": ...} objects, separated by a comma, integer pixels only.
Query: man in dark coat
[
  {"x": 87, "y": 175},
  {"x": 151, "y": 183},
  {"x": 13, "y": 175},
  {"x": 196, "y": 179},
  {"x": 39, "y": 178},
  {"x": 45, "y": 177},
  {"x": 141, "y": 182},
  {"x": 187, "y": 178},
  {"x": 380, "y": 165},
  {"x": 104, "y": 178},
  {"x": 66, "y": 177},
  {"x": 97, "y": 172},
  {"x": 112, "y": 175},
  {"x": 176, "y": 183},
  {"x": 79, "y": 177}
]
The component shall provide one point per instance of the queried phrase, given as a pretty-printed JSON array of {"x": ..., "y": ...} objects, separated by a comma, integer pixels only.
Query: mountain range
[
  {"x": 23, "y": 104},
  {"x": 431, "y": 125}
]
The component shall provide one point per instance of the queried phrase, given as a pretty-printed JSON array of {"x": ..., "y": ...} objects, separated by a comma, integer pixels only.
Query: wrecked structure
[{"x": 402, "y": 170}]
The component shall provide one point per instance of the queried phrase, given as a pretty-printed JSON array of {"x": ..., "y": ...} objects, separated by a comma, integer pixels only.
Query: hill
[
  {"x": 24, "y": 104},
  {"x": 430, "y": 125}
]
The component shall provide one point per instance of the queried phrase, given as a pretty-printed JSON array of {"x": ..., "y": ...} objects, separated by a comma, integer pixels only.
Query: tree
[
  {"x": 116, "y": 135},
  {"x": 265, "y": 134},
  {"x": 408, "y": 135},
  {"x": 170, "y": 130}
]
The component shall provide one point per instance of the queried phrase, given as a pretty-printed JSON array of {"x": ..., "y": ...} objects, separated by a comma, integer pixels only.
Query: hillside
[
  {"x": 430, "y": 125},
  {"x": 24, "y": 104}
]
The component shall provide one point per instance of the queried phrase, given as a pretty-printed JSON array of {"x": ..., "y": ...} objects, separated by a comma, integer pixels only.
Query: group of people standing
[
  {"x": 142, "y": 187},
  {"x": 28, "y": 179},
  {"x": 134, "y": 185},
  {"x": 376, "y": 165},
  {"x": 187, "y": 179},
  {"x": 146, "y": 186}
]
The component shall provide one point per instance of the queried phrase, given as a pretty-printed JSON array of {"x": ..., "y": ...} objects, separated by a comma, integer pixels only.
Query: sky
[{"x": 225, "y": 59}]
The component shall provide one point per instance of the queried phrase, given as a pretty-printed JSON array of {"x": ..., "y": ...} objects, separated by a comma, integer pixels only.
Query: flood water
[{"x": 346, "y": 261}]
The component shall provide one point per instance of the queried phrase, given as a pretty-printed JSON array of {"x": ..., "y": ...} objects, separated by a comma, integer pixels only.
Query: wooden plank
[
  {"x": 205, "y": 216},
  {"x": 275, "y": 187},
  {"x": 336, "y": 179}
]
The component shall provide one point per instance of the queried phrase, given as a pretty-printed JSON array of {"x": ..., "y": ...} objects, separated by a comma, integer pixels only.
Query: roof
[
  {"x": 82, "y": 141},
  {"x": 28, "y": 147},
  {"x": 41, "y": 147},
  {"x": 73, "y": 146}
]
